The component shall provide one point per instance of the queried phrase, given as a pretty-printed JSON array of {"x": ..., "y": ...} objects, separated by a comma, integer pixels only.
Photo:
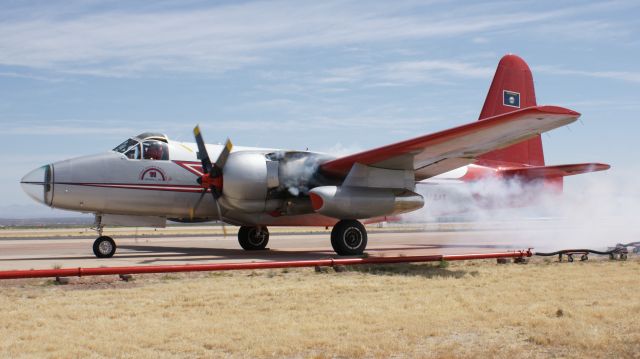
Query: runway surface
[{"x": 39, "y": 252}]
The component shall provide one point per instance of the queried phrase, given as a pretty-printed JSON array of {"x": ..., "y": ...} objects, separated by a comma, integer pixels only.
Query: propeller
[{"x": 212, "y": 177}]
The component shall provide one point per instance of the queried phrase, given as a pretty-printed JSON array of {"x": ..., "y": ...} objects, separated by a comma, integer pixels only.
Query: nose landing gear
[{"x": 103, "y": 246}]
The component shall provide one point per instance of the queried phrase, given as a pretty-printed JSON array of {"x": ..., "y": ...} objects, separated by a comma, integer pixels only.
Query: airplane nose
[{"x": 38, "y": 184}]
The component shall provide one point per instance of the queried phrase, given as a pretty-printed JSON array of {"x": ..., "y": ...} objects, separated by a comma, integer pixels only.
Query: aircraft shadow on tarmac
[
  {"x": 155, "y": 254},
  {"x": 195, "y": 254},
  {"x": 268, "y": 254}
]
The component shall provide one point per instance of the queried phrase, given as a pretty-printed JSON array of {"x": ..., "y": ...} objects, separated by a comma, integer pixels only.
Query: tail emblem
[{"x": 511, "y": 99}]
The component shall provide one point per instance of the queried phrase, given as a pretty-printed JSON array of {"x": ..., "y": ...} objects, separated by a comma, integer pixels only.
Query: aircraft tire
[
  {"x": 104, "y": 247},
  {"x": 349, "y": 238},
  {"x": 253, "y": 238}
]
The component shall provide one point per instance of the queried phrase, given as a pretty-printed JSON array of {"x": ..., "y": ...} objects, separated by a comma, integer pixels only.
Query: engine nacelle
[
  {"x": 346, "y": 202},
  {"x": 247, "y": 176},
  {"x": 255, "y": 182}
]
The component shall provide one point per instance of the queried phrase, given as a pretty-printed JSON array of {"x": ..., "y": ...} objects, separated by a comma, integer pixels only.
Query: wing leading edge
[{"x": 439, "y": 152}]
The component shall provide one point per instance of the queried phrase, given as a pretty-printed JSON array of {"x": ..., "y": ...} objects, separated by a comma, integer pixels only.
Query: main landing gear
[
  {"x": 253, "y": 238},
  {"x": 349, "y": 237}
]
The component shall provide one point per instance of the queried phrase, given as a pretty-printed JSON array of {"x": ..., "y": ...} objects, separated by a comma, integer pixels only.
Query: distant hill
[
  {"x": 46, "y": 222},
  {"x": 38, "y": 215}
]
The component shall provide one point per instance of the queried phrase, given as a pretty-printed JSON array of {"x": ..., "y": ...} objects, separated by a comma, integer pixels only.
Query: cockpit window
[
  {"x": 155, "y": 150},
  {"x": 124, "y": 146},
  {"x": 151, "y": 149},
  {"x": 134, "y": 152}
]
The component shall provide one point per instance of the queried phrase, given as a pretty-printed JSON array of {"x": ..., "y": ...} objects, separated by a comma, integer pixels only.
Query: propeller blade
[
  {"x": 193, "y": 209},
  {"x": 202, "y": 150},
  {"x": 224, "y": 229},
  {"x": 216, "y": 193},
  {"x": 224, "y": 155}
]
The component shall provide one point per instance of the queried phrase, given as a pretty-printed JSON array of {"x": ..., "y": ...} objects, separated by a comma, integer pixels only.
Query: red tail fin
[{"x": 511, "y": 89}]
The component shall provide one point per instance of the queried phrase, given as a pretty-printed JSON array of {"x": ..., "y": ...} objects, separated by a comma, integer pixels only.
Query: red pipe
[{"x": 80, "y": 272}]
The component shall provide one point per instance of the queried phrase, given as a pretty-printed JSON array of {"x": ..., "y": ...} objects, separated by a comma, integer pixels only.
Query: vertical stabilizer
[{"x": 512, "y": 89}]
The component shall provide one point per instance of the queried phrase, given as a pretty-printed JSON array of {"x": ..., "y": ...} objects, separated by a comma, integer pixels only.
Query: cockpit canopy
[
  {"x": 146, "y": 146},
  {"x": 152, "y": 136}
]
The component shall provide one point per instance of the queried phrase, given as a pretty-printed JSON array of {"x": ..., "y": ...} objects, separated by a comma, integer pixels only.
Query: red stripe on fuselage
[
  {"x": 191, "y": 166},
  {"x": 140, "y": 186}
]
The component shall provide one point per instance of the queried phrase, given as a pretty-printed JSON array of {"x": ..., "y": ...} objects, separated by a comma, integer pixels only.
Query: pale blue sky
[{"x": 78, "y": 77}]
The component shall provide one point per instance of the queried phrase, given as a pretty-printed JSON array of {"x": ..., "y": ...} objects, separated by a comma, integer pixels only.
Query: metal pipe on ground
[{"x": 331, "y": 262}]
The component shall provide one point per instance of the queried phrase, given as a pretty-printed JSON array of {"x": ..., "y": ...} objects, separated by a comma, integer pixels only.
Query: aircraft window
[
  {"x": 155, "y": 150},
  {"x": 124, "y": 146},
  {"x": 133, "y": 153},
  {"x": 152, "y": 136}
]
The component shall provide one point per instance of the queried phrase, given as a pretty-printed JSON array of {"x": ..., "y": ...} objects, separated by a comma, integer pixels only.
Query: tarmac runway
[{"x": 42, "y": 252}]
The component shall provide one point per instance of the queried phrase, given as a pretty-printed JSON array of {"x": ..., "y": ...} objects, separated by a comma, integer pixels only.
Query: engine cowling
[
  {"x": 255, "y": 182},
  {"x": 346, "y": 202},
  {"x": 247, "y": 177}
]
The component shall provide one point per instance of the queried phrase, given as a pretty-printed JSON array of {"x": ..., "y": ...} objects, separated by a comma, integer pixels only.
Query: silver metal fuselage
[{"x": 112, "y": 183}]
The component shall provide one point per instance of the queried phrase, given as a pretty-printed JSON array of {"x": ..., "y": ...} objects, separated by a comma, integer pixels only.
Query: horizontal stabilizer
[{"x": 553, "y": 171}]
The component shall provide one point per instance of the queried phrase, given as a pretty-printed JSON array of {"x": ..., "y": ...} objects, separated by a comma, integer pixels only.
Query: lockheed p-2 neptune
[{"x": 149, "y": 179}]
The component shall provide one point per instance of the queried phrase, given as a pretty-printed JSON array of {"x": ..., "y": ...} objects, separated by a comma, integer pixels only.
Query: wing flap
[{"x": 439, "y": 152}]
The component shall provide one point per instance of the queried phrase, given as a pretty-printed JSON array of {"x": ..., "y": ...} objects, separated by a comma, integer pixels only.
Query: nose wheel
[
  {"x": 104, "y": 247},
  {"x": 349, "y": 238}
]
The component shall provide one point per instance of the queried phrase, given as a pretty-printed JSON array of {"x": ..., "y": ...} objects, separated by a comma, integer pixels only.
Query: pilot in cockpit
[{"x": 154, "y": 151}]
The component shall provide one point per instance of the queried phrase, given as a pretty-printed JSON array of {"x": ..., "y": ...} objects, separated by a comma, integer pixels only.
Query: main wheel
[
  {"x": 349, "y": 238},
  {"x": 104, "y": 247},
  {"x": 253, "y": 238}
]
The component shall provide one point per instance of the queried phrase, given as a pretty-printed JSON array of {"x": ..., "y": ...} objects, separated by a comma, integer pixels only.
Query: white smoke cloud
[
  {"x": 596, "y": 210},
  {"x": 297, "y": 170}
]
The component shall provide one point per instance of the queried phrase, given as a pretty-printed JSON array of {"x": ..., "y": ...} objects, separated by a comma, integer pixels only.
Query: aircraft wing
[{"x": 443, "y": 151}]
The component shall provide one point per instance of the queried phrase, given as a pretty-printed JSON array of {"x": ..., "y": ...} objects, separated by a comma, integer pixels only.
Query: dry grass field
[{"x": 467, "y": 309}]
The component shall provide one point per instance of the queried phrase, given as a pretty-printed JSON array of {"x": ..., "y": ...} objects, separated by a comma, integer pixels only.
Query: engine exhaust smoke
[{"x": 596, "y": 210}]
